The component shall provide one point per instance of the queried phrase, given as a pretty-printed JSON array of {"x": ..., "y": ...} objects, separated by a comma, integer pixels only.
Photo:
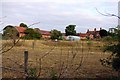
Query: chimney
[
  {"x": 87, "y": 30},
  {"x": 94, "y": 29}
]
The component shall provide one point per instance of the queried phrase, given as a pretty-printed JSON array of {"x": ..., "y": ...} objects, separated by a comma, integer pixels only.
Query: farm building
[
  {"x": 72, "y": 38},
  {"x": 90, "y": 34},
  {"x": 112, "y": 30},
  {"x": 93, "y": 34},
  {"x": 45, "y": 34},
  {"x": 82, "y": 35},
  {"x": 13, "y": 31},
  {"x": 10, "y": 32}
]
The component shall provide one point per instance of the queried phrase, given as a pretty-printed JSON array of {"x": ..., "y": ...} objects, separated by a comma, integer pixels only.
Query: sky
[{"x": 57, "y": 14}]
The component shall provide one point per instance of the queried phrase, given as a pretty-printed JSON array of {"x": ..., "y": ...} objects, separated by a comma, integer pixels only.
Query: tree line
[{"x": 54, "y": 34}]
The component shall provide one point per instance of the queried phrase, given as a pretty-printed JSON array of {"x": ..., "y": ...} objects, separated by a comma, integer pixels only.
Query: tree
[
  {"x": 114, "y": 59},
  {"x": 23, "y": 25},
  {"x": 103, "y": 33},
  {"x": 108, "y": 14},
  {"x": 10, "y": 32},
  {"x": 70, "y": 30},
  {"x": 31, "y": 34},
  {"x": 55, "y": 34}
]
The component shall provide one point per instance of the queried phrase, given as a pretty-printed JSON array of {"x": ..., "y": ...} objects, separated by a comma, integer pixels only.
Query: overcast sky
[{"x": 57, "y": 14}]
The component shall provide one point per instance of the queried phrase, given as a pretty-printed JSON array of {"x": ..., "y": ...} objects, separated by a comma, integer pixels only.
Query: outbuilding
[{"x": 73, "y": 38}]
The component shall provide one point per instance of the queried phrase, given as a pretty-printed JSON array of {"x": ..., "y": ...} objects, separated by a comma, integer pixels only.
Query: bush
[
  {"x": 116, "y": 63},
  {"x": 32, "y": 72},
  {"x": 55, "y": 34},
  {"x": 31, "y": 34}
]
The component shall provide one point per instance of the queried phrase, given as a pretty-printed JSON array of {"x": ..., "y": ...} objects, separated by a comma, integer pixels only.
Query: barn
[{"x": 11, "y": 32}]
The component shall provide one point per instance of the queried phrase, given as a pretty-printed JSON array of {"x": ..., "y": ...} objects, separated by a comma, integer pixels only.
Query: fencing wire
[
  {"x": 21, "y": 70},
  {"x": 42, "y": 56}
]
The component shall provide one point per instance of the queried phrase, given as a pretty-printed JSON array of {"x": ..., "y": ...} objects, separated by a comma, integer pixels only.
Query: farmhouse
[
  {"x": 17, "y": 31},
  {"x": 13, "y": 31},
  {"x": 90, "y": 34},
  {"x": 45, "y": 34},
  {"x": 93, "y": 34},
  {"x": 21, "y": 31},
  {"x": 82, "y": 35}
]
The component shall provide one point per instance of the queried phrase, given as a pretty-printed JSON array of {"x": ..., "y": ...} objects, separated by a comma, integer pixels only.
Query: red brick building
[
  {"x": 93, "y": 34},
  {"x": 90, "y": 34},
  {"x": 45, "y": 34},
  {"x": 82, "y": 35},
  {"x": 13, "y": 31},
  {"x": 21, "y": 31}
]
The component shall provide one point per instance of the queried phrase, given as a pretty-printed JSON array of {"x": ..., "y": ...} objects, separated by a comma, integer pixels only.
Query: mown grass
[{"x": 66, "y": 56}]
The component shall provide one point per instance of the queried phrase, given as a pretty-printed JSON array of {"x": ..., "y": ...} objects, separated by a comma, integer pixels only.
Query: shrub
[{"x": 31, "y": 34}]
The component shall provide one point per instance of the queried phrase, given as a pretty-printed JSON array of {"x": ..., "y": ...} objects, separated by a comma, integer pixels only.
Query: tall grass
[{"x": 63, "y": 59}]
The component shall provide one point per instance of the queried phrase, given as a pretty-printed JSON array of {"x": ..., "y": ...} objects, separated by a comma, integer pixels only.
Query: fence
[{"x": 62, "y": 59}]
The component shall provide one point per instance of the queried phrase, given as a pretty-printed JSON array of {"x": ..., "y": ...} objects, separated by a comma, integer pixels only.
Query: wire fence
[{"x": 49, "y": 59}]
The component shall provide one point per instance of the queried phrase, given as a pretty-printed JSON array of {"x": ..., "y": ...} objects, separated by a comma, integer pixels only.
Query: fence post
[
  {"x": 25, "y": 61},
  {"x": 33, "y": 44}
]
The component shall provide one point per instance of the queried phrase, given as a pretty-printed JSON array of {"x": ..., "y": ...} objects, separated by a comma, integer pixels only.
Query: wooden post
[
  {"x": 25, "y": 60},
  {"x": 33, "y": 44}
]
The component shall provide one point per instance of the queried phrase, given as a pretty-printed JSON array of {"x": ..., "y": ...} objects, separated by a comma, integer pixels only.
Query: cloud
[
  {"x": 61, "y": 1},
  {"x": 60, "y": 13}
]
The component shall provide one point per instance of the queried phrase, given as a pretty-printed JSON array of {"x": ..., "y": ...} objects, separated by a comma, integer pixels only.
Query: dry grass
[{"x": 66, "y": 56}]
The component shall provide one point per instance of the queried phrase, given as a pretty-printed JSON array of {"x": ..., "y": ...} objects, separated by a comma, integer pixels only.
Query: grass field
[{"x": 70, "y": 59}]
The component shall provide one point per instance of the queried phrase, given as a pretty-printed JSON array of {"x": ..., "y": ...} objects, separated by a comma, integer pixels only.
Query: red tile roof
[
  {"x": 82, "y": 34},
  {"x": 43, "y": 32},
  {"x": 20, "y": 29},
  {"x": 93, "y": 32}
]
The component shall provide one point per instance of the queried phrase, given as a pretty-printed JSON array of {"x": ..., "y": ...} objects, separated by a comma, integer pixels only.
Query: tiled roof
[
  {"x": 82, "y": 34},
  {"x": 43, "y": 32},
  {"x": 93, "y": 32},
  {"x": 20, "y": 29}
]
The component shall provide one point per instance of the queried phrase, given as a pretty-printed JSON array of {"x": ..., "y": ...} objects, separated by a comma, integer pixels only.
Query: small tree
[
  {"x": 23, "y": 25},
  {"x": 103, "y": 33},
  {"x": 55, "y": 34},
  {"x": 70, "y": 30},
  {"x": 114, "y": 59},
  {"x": 10, "y": 33},
  {"x": 31, "y": 34}
]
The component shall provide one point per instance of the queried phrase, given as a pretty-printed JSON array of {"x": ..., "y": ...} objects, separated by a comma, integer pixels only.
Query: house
[
  {"x": 82, "y": 35},
  {"x": 13, "y": 32},
  {"x": 112, "y": 30},
  {"x": 93, "y": 34},
  {"x": 21, "y": 31},
  {"x": 90, "y": 34},
  {"x": 45, "y": 34}
]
